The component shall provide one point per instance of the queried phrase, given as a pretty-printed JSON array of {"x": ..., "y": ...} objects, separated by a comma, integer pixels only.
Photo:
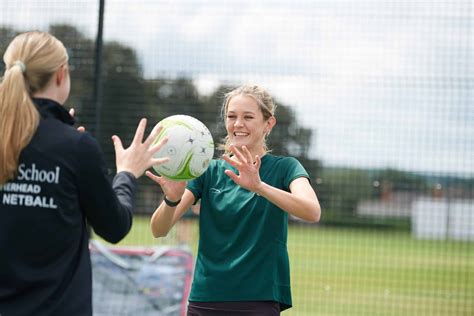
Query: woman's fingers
[
  {"x": 140, "y": 132},
  {"x": 159, "y": 161},
  {"x": 247, "y": 153},
  {"x": 231, "y": 161},
  {"x": 258, "y": 162},
  {"x": 153, "y": 177},
  {"x": 117, "y": 143},
  {"x": 153, "y": 134},
  {"x": 156, "y": 147},
  {"x": 238, "y": 154},
  {"x": 232, "y": 175},
  {"x": 72, "y": 112}
]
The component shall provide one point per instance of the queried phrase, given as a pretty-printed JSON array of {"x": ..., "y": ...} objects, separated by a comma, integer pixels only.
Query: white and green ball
[{"x": 190, "y": 148}]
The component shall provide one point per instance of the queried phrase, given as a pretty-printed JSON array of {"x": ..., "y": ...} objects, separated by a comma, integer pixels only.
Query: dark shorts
[{"x": 247, "y": 308}]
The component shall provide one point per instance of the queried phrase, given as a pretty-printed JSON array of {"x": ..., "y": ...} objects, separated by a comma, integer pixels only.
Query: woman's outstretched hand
[
  {"x": 140, "y": 155},
  {"x": 72, "y": 112},
  {"x": 248, "y": 167},
  {"x": 173, "y": 190}
]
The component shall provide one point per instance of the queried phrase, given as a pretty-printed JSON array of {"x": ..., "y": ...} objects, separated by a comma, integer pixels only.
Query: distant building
[
  {"x": 397, "y": 204},
  {"x": 443, "y": 219},
  {"x": 431, "y": 217}
]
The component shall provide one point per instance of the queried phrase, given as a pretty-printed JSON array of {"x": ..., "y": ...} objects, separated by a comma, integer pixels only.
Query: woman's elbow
[
  {"x": 315, "y": 214},
  {"x": 317, "y": 217},
  {"x": 157, "y": 233},
  {"x": 112, "y": 234}
]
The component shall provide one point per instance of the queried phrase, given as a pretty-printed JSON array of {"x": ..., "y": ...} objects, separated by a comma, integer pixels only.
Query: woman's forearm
[{"x": 303, "y": 205}]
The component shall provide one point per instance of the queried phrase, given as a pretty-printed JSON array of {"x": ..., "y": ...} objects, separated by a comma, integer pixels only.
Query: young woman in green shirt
[{"x": 242, "y": 265}]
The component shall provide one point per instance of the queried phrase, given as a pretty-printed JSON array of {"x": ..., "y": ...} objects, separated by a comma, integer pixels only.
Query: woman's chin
[{"x": 237, "y": 143}]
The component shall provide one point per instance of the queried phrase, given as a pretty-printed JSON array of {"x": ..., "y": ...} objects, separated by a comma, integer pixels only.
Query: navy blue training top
[{"x": 60, "y": 185}]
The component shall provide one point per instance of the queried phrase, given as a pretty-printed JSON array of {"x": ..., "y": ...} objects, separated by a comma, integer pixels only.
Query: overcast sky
[{"x": 382, "y": 83}]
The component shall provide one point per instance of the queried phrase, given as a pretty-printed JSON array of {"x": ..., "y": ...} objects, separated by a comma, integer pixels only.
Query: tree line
[{"x": 127, "y": 96}]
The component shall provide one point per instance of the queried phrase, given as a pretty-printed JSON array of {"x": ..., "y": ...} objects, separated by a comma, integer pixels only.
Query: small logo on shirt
[{"x": 214, "y": 190}]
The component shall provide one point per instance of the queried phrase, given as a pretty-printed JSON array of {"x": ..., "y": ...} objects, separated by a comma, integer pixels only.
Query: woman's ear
[
  {"x": 270, "y": 123},
  {"x": 60, "y": 74}
]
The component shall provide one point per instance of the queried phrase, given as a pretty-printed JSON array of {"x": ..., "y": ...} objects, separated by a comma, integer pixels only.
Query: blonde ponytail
[{"x": 31, "y": 60}]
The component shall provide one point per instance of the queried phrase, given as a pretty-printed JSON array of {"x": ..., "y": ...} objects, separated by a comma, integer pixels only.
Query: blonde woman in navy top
[{"x": 53, "y": 182}]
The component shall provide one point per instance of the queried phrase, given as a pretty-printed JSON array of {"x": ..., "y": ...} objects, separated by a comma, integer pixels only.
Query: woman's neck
[
  {"x": 253, "y": 153},
  {"x": 46, "y": 95}
]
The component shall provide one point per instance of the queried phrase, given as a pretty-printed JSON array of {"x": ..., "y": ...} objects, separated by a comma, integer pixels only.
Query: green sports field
[{"x": 343, "y": 271}]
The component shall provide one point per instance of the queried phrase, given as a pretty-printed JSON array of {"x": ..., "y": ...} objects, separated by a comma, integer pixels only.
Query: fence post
[{"x": 97, "y": 97}]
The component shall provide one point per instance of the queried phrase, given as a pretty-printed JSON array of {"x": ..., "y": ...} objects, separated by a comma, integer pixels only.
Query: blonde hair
[
  {"x": 31, "y": 60},
  {"x": 263, "y": 99}
]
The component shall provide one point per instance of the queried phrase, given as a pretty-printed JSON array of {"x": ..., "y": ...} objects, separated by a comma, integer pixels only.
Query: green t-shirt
[{"x": 242, "y": 252}]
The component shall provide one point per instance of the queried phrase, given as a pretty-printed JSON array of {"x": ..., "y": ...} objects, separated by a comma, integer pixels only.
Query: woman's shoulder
[
  {"x": 61, "y": 138},
  {"x": 267, "y": 159},
  {"x": 282, "y": 164},
  {"x": 280, "y": 159},
  {"x": 217, "y": 163}
]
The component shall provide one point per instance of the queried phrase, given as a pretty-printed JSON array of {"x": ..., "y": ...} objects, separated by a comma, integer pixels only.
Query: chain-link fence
[{"x": 374, "y": 98}]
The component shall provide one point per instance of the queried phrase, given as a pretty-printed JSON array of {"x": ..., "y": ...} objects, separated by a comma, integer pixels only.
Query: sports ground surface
[{"x": 343, "y": 271}]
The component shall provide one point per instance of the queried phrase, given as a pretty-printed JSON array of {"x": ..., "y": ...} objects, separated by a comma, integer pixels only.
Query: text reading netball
[{"x": 28, "y": 193}]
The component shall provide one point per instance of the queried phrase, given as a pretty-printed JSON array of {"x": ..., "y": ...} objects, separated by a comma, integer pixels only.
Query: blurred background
[{"x": 375, "y": 98}]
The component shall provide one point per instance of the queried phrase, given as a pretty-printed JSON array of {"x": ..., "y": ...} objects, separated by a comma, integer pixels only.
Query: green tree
[
  {"x": 395, "y": 181},
  {"x": 127, "y": 96},
  {"x": 6, "y": 36},
  {"x": 123, "y": 100},
  {"x": 172, "y": 97},
  {"x": 342, "y": 188},
  {"x": 81, "y": 56}
]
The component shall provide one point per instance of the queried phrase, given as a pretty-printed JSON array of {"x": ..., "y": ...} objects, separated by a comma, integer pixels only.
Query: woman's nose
[{"x": 238, "y": 122}]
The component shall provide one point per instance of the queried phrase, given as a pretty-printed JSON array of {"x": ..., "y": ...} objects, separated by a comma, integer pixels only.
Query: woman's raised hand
[
  {"x": 173, "y": 190},
  {"x": 248, "y": 167},
  {"x": 72, "y": 112},
  {"x": 139, "y": 156}
]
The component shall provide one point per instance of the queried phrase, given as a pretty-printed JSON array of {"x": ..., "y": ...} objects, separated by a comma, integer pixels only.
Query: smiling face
[{"x": 246, "y": 124}]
